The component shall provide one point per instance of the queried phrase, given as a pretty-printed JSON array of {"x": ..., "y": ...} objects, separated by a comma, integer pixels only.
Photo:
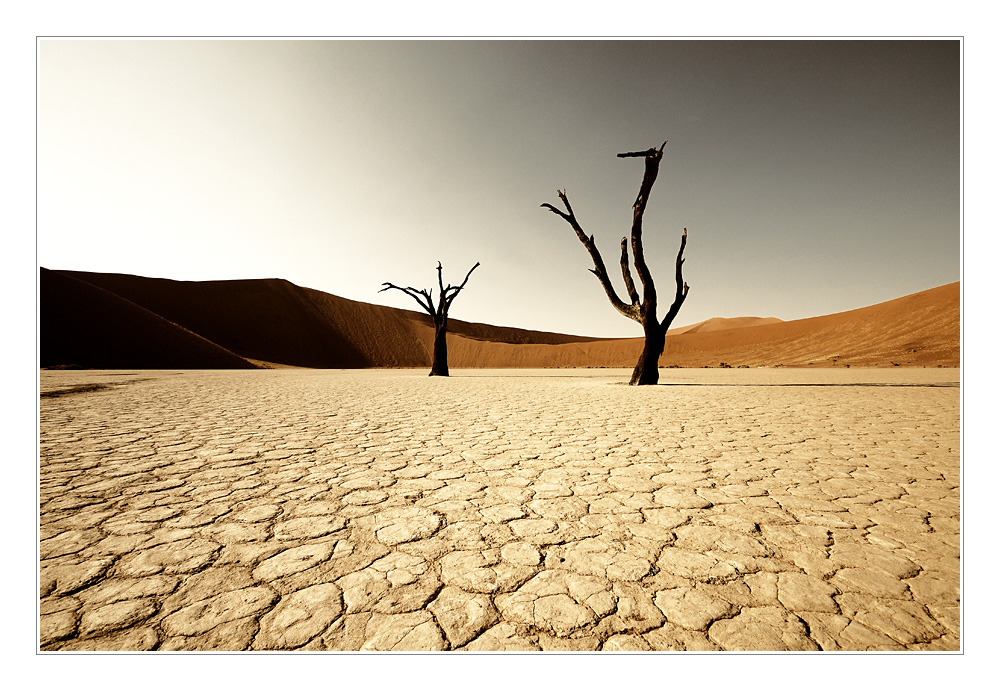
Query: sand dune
[
  {"x": 723, "y": 323},
  {"x": 83, "y": 325},
  {"x": 118, "y": 320},
  {"x": 922, "y": 329}
]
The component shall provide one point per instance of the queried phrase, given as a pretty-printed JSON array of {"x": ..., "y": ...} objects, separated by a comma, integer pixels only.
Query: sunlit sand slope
[{"x": 922, "y": 329}]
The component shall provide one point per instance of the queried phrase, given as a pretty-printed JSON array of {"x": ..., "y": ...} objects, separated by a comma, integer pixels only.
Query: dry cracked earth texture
[{"x": 384, "y": 510}]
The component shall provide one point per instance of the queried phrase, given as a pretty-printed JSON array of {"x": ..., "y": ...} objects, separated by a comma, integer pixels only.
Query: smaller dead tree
[
  {"x": 639, "y": 308},
  {"x": 425, "y": 298}
]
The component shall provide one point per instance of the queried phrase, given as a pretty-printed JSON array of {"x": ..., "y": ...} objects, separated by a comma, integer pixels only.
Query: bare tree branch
[
  {"x": 456, "y": 289},
  {"x": 627, "y": 275},
  {"x": 599, "y": 270},
  {"x": 642, "y": 154},
  {"x": 652, "y": 157},
  {"x": 419, "y": 295},
  {"x": 682, "y": 286},
  {"x": 441, "y": 303}
]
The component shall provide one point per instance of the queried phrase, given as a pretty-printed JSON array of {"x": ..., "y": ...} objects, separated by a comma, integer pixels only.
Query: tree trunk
[
  {"x": 647, "y": 370},
  {"x": 439, "y": 364}
]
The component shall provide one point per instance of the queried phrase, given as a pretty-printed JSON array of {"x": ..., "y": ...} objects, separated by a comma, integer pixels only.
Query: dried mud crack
[{"x": 377, "y": 510}]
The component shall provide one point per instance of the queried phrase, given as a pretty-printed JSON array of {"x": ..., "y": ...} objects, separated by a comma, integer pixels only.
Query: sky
[{"x": 812, "y": 176}]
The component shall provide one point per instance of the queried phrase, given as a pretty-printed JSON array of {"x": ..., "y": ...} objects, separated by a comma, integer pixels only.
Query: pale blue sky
[{"x": 812, "y": 176}]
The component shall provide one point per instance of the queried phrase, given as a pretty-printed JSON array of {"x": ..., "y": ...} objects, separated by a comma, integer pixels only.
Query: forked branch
[
  {"x": 422, "y": 297},
  {"x": 653, "y": 157},
  {"x": 451, "y": 291},
  {"x": 425, "y": 298},
  {"x": 599, "y": 270}
]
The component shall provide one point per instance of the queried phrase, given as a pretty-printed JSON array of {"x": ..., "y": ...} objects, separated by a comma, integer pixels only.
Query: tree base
[{"x": 647, "y": 369}]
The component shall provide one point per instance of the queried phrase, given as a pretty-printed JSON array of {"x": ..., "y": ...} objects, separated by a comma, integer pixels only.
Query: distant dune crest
[
  {"x": 111, "y": 321},
  {"x": 723, "y": 323}
]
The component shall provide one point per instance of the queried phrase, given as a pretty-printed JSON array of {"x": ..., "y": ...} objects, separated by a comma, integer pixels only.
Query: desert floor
[{"x": 764, "y": 509}]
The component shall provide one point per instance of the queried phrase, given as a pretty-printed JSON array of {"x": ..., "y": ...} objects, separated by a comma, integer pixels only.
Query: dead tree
[
  {"x": 425, "y": 298},
  {"x": 644, "y": 310}
]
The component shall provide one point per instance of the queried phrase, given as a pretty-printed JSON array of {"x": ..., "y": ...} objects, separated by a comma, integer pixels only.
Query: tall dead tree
[
  {"x": 643, "y": 311},
  {"x": 425, "y": 298}
]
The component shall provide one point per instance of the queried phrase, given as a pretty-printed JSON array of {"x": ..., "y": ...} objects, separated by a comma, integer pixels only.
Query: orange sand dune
[
  {"x": 103, "y": 320},
  {"x": 922, "y": 329}
]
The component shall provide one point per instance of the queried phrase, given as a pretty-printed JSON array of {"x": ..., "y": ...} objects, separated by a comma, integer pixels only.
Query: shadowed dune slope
[
  {"x": 84, "y": 326},
  {"x": 276, "y": 322}
]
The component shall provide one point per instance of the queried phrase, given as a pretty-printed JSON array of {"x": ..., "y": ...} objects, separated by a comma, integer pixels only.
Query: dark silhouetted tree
[
  {"x": 643, "y": 311},
  {"x": 425, "y": 298}
]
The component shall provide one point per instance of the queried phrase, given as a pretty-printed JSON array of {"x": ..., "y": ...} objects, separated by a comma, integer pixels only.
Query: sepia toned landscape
[
  {"x": 697, "y": 395},
  {"x": 323, "y": 506}
]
